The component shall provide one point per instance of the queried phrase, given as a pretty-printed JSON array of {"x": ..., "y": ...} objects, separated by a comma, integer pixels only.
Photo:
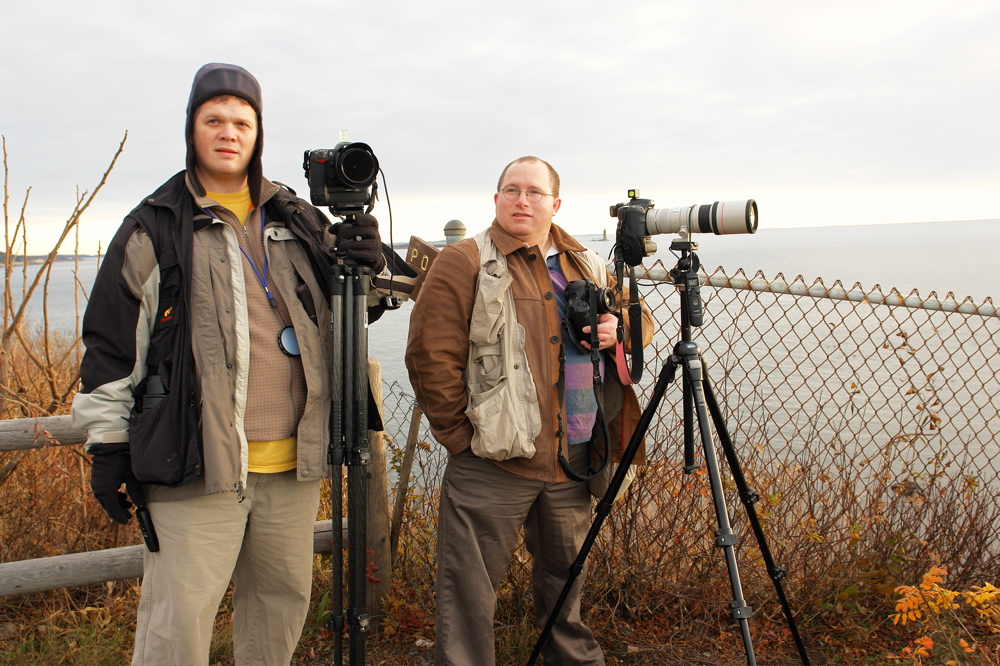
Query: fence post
[
  {"x": 403, "y": 484},
  {"x": 454, "y": 231},
  {"x": 377, "y": 511}
]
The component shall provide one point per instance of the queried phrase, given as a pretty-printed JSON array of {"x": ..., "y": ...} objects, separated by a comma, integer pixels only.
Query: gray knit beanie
[{"x": 213, "y": 80}]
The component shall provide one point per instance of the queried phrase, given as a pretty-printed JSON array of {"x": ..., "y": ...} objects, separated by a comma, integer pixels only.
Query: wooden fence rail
[
  {"x": 20, "y": 434},
  {"x": 101, "y": 566},
  {"x": 50, "y": 573},
  {"x": 97, "y": 566}
]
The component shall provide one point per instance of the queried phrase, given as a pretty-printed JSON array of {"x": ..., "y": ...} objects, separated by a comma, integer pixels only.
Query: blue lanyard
[{"x": 262, "y": 279}]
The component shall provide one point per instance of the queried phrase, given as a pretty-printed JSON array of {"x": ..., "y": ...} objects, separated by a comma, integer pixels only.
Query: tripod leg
[
  {"x": 749, "y": 499},
  {"x": 725, "y": 538},
  {"x": 688, "y": 424},
  {"x": 336, "y": 460},
  {"x": 604, "y": 506},
  {"x": 356, "y": 443}
]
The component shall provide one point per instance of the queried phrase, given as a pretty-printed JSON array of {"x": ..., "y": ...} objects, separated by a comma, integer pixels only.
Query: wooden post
[
  {"x": 403, "y": 484},
  {"x": 377, "y": 511}
]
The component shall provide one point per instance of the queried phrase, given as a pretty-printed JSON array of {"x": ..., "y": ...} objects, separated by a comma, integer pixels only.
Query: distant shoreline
[{"x": 40, "y": 258}]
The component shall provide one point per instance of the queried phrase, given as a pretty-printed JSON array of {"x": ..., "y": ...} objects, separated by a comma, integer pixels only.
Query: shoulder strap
[{"x": 173, "y": 242}]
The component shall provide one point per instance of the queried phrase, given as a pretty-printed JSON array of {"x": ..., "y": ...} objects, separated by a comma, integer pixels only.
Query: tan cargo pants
[{"x": 264, "y": 544}]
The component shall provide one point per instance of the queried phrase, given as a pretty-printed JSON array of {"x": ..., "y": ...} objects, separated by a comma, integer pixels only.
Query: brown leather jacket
[{"x": 438, "y": 347}]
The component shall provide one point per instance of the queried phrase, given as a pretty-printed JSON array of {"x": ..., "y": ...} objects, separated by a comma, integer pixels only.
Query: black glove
[
  {"x": 110, "y": 468},
  {"x": 360, "y": 242}
]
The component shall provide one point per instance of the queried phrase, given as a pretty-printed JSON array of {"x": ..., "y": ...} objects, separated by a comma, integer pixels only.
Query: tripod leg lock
[
  {"x": 335, "y": 623},
  {"x": 725, "y": 538},
  {"x": 740, "y": 612},
  {"x": 360, "y": 623},
  {"x": 777, "y": 572},
  {"x": 358, "y": 457}
]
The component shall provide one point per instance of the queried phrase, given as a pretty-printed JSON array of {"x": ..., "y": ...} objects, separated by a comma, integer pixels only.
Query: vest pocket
[
  {"x": 487, "y": 310},
  {"x": 487, "y": 370},
  {"x": 495, "y": 433}
]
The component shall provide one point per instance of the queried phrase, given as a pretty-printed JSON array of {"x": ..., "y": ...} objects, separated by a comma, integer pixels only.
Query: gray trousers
[
  {"x": 482, "y": 511},
  {"x": 264, "y": 544}
]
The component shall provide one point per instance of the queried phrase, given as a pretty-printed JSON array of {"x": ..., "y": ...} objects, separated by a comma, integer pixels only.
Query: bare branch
[{"x": 83, "y": 203}]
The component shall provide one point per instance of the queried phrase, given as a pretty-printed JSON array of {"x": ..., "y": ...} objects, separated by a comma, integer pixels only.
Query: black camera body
[
  {"x": 340, "y": 177},
  {"x": 585, "y": 302},
  {"x": 632, "y": 237}
]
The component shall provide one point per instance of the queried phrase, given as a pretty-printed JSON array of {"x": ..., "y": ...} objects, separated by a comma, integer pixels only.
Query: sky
[{"x": 824, "y": 113}]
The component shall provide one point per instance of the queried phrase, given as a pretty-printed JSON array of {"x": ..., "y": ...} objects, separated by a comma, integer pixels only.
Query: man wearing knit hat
[{"x": 205, "y": 387}]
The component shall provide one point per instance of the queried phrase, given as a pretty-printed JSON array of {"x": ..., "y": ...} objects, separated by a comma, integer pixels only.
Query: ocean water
[{"x": 956, "y": 257}]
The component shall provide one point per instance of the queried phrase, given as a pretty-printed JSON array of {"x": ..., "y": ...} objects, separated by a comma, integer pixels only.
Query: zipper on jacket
[{"x": 239, "y": 492}]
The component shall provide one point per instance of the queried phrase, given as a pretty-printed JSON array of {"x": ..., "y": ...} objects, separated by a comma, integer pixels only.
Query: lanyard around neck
[{"x": 261, "y": 278}]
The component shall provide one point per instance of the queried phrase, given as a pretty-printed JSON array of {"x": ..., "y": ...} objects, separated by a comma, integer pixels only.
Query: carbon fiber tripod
[{"x": 349, "y": 448}]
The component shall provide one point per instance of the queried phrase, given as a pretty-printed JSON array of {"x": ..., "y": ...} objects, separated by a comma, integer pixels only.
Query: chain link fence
[
  {"x": 796, "y": 370},
  {"x": 868, "y": 421}
]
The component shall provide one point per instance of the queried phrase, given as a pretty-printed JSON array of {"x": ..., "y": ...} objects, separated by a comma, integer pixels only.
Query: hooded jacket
[{"x": 125, "y": 309}]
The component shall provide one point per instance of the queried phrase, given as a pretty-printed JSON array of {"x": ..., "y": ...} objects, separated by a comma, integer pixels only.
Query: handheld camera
[
  {"x": 638, "y": 220},
  {"x": 340, "y": 177},
  {"x": 585, "y": 302}
]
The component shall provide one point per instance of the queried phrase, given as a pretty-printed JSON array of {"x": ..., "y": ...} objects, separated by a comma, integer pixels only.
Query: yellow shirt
[
  {"x": 238, "y": 203},
  {"x": 278, "y": 455}
]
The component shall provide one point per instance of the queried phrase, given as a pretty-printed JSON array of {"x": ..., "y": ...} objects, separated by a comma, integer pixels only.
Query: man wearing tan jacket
[{"x": 485, "y": 502}]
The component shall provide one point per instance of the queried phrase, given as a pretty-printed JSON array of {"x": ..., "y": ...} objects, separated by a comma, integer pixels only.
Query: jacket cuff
[{"x": 107, "y": 448}]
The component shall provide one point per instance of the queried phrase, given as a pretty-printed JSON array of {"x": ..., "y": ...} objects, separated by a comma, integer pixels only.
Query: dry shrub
[
  {"x": 846, "y": 528},
  {"x": 46, "y": 507}
]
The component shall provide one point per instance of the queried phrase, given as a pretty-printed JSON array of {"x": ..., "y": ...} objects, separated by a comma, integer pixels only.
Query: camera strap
[
  {"x": 629, "y": 375},
  {"x": 604, "y": 459}
]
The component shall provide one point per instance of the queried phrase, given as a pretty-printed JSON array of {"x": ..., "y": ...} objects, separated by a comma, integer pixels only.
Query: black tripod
[
  {"x": 698, "y": 398},
  {"x": 349, "y": 447}
]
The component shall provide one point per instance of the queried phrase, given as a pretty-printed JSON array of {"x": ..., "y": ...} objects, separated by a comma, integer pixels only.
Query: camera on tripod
[
  {"x": 340, "y": 177},
  {"x": 638, "y": 220},
  {"x": 585, "y": 302}
]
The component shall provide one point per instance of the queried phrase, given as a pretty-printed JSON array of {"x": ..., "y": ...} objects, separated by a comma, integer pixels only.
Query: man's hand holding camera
[
  {"x": 359, "y": 241},
  {"x": 607, "y": 325}
]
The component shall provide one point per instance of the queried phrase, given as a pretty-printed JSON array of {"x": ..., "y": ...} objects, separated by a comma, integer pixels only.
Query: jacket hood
[{"x": 213, "y": 80}]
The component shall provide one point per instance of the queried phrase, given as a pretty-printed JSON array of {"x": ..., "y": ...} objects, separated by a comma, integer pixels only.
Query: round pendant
[{"x": 288, "y": 342}]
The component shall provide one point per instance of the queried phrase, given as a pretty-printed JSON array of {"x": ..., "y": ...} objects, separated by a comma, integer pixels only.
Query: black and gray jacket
[{"x": 143, "y": 298}]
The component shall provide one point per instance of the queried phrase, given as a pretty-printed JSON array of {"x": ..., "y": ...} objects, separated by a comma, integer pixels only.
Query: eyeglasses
[{"x": 533, "y": 196}]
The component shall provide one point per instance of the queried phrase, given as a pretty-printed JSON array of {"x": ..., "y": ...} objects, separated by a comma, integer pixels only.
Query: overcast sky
[{"x": 825, "y": 113}]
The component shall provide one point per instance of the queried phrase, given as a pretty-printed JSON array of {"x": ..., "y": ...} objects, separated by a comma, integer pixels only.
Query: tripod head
[{"x": 685, "y": 277}]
